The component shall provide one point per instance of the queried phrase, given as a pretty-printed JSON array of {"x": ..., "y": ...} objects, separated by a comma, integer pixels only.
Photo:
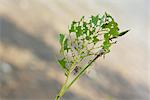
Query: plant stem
[
  {"x": 65, "y": 87},
  {"x": 82, "y": 71},
  {"x": 60, "y": 94}
]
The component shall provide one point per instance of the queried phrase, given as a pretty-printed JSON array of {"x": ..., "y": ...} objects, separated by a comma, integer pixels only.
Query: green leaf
[
  {"x": 106, "y": 36},
  {"x": 66, "y": 46},
  {"x": 88, "y": 37},
  {"x": 106, "y": 46},
  {"x": 95, "y": 39},
  {"x": 112, "y": 26},
  {"x": 79, "y": 31},
  {"x": 64, "y": 43},
  {"x": 85, "y": 28},
  {"x": 95, "y": 19},
  {"x": 63, "y": 63},
  {"x": 114, "y": 32},
  {"x": 102, "y": 20},
  {"x": 61, "y": 38},
  {"x": 82, "y": 18},
  {"x": 93, "y": 30},
  {"x": 120, "y": 34},
  {"x": 73, "y": 27}
]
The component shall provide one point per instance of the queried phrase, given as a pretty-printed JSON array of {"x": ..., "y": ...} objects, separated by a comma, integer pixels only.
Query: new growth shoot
[{"x": 88, "y": 39}]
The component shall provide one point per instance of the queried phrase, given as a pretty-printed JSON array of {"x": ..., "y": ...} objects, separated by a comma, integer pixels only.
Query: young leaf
[
  {"x": 82, "y": 18},
  {"x": 79, "y": 31},
  {"x": 95, "y": 19},
  {"x": 85, "y": 28},
  {"x": 73, "y": 27},
  {"x": 63, "y": 63},
  {"x": 88, "y": 37},
  {"x": 64, "y": 43},
  {"x": 102, "y": 20},
  {"x": 61, "y": 38},
  {"x": 95, "y": 39},
  {"x": 120, "y": 34},
  {"x": 106, "y": 46},
  {"x": 66, "y": 46}
]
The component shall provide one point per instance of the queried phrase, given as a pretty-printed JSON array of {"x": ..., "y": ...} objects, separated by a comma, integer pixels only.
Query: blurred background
[{"x": 29, "y": 47}]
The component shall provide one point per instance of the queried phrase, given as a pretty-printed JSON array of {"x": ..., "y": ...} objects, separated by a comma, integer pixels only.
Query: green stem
[
  {"x": 82, "y": 71},
  {"x": 65, "y": 87},
  {"x": 60, "y": 94}
]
